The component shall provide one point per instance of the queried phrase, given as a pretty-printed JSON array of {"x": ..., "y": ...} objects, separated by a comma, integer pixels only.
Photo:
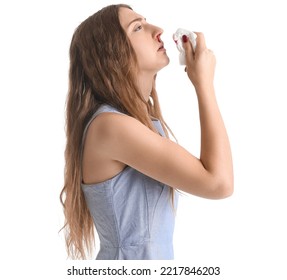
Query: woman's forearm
[{"x": 215, "y": 147}]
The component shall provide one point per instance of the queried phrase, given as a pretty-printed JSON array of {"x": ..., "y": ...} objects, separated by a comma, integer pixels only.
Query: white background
[{"x": 245, "y": 234}]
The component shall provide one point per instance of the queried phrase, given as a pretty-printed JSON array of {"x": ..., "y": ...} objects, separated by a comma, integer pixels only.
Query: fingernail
[{"x": 184, "y": 38}]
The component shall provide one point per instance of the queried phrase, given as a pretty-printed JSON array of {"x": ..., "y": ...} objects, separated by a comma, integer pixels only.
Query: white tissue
[{"x": 177, "y": 37}]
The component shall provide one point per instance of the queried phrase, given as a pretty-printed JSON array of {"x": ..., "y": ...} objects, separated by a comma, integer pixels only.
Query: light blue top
[{"x": 133, "y": 213}]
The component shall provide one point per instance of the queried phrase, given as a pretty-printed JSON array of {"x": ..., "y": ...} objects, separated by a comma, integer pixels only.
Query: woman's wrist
[{"x": 204, "y": 89}]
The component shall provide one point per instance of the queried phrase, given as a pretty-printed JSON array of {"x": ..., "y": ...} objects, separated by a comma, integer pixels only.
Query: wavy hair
[{"x": 102, "y": 70}]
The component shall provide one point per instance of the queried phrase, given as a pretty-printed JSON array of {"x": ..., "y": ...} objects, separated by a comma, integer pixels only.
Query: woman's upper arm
[{"x": 126, "y": 140}]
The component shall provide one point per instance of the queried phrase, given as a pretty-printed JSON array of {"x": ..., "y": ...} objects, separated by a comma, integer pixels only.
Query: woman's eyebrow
[{"x": 136, "y": 19}]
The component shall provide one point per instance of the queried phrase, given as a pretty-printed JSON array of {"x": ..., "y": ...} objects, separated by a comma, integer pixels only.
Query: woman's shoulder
[
  {"x": 118, "y": 136},
  {"x": 103, "y": 120},
  {"x": 110, "y": 122}
]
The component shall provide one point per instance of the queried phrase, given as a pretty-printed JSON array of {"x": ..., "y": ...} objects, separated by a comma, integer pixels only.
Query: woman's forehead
[{"x": 128, "y": 16}]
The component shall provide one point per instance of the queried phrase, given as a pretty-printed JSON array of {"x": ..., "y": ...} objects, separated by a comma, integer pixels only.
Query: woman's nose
[{"x": 158, "y": 32}]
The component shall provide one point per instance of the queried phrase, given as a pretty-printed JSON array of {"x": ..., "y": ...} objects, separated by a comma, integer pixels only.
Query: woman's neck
[{"x": 145, "y": 84}]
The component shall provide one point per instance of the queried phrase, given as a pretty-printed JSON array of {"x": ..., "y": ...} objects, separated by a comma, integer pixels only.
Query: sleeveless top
[{"x": 133, "y": 213}]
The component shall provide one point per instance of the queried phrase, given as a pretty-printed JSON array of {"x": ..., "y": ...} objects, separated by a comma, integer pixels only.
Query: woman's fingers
[
  {"x": 188, "y": 49},
  {"x": 200, "y": 41}
]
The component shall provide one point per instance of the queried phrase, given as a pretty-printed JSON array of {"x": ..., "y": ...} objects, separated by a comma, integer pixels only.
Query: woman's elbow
[{"x": 224, "y": 188}]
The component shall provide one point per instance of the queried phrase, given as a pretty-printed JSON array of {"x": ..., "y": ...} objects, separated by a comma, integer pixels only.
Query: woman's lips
[{"x": 161, "y": 48}]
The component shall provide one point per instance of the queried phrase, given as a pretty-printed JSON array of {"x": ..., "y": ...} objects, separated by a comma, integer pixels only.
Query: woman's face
[{"x": 146, "y": 41}]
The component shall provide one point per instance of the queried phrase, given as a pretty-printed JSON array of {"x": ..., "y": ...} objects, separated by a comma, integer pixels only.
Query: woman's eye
[{"x": 138, "y": 28}]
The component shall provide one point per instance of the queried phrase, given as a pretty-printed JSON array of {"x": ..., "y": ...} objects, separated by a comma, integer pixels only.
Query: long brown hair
[{"x": 102, "y": 71}]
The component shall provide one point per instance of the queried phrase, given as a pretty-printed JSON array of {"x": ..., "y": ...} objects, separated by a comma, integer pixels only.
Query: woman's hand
[{"x": 200, "y": 63}]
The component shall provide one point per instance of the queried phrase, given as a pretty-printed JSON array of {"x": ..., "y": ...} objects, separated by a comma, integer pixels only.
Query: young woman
[{"x": 122, "y": 171}]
